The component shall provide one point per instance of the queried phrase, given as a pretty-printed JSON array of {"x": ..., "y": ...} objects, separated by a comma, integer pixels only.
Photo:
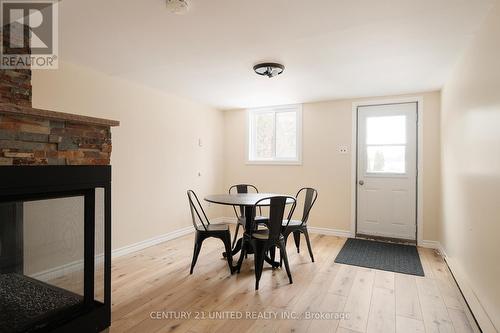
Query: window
[
  {"x": 386, "y": 144},
  {"x": 274, "y": 135}
]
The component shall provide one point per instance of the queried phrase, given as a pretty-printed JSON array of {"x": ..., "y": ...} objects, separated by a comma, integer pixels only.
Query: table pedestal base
[{"x": 237, "y": 248}]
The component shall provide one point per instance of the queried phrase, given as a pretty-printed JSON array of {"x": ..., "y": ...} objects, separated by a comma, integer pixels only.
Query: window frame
[{"x": 250, "y": 128}]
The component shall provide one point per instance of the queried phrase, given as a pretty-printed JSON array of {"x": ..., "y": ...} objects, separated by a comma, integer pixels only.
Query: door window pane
[
  {"x": 386, "y": 130},
  {"x": 286, "y": 135},
  {"x": 386, "y": 159},
  {"x": 264, "y": 130}
]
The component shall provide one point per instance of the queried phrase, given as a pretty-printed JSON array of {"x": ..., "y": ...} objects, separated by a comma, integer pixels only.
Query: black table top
[{"x": 243, "y": 199}]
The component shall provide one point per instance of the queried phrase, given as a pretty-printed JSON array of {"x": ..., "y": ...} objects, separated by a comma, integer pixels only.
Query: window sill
[{"x": 273, "y": 163}]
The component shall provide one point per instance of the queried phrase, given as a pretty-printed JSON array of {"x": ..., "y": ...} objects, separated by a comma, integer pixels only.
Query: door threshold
[{"x": 388, "y": 239}]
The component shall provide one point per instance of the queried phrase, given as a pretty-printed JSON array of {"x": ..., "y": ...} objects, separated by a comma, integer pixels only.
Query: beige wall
[
  {"x": 156, "y": 156},
  {"x": 53, "y": 238},
  {"x": 53, "y": 233},
  {"x": 471, "y": 171},
  {"x": 325, "y": 126}
]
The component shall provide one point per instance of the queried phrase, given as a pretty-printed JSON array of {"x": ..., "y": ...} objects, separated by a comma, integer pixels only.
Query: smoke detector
[{"x": 177, "y": 6}]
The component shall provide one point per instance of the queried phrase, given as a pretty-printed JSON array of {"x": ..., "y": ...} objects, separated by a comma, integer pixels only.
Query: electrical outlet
[{"x": 343, "y": 149}]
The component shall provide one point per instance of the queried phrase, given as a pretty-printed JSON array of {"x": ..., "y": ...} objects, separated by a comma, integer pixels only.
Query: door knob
[{"x": 361, "y": 182}]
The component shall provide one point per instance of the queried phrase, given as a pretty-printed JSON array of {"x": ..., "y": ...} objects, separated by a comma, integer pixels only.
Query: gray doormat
[{"x": 379, "y": 255}]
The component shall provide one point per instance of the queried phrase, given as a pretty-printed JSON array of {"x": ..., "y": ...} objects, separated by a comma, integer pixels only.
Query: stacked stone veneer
[
  {"x": 38, "y": 137},
  {"x": 15, "y": 86},
  {"x": 26, "y": 140}
]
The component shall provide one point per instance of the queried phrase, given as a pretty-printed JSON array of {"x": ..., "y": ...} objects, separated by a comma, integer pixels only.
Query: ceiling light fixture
[
  {"x": 178, "y": 6},
  {"x": 269, "y": 69}
]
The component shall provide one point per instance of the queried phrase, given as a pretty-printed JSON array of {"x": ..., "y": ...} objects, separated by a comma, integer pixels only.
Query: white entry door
[{"x": 387, "y": 171}]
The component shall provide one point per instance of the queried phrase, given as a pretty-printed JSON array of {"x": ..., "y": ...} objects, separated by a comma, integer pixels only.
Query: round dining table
[{"x": 248, "y": 201}]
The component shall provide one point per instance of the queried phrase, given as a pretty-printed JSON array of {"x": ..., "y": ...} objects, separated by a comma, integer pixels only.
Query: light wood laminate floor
[{"x": 155, "y": 282}]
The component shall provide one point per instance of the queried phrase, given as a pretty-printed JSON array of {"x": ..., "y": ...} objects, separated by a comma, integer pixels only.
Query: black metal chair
[
  {"x": 243, "y": 188},
  {"x": 300, "y": 226},
  {"x": 267, "y": 240},
  {"x": 205, "y": 229}
]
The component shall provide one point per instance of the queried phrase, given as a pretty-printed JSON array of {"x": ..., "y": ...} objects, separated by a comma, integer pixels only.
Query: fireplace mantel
[
  {"x": 30, "y": 136},
  {"x": 13, "y": 109}
]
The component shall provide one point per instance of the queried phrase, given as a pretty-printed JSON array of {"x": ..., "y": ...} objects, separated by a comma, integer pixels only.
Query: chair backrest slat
[
  {"x": 276, "y": 213},
  {"x": 242, "y": 189},
  {"x": 309, "y": 200},
  {"x": 197, "y": 212}
]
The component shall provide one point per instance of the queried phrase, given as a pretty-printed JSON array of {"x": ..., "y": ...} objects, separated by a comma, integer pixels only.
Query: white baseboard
[
  {"x": 472, "y": 300},
  {"x": 59, "y": 271},
  {"x": 330, "y": 232},
  {"x": 313, "y": 230},
  {"x": 479, "y": 312},
  {"x": 151, "y": 242},
  {"x": 75, "y": 266},
  {"x": 433, "y": 245}
]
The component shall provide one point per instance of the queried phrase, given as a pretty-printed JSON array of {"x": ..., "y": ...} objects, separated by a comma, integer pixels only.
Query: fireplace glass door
[{"x": 51, "y": 259}]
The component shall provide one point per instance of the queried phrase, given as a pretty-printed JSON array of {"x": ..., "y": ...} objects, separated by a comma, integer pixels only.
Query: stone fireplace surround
[
  {"x": 48, "y": 154},
  {"x": 30, "y": 136}
]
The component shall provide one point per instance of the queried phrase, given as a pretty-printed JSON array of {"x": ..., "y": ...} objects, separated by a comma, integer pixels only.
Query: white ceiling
[{"x": 331, "y": 48}]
